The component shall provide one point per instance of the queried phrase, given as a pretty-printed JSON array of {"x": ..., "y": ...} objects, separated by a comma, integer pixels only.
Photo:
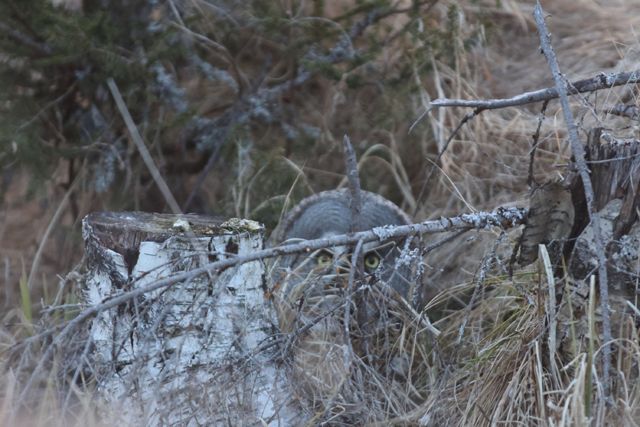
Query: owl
[
  {"x": 327, "y": 214},
  {"x": 311, "y": 289}
]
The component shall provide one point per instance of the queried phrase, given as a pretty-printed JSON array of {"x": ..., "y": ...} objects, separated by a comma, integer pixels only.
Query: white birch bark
[{"x": 187, "y": 355}]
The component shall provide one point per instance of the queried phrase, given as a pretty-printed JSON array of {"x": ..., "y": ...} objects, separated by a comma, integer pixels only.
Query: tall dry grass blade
[
  {"x": 551, "y": 313},
  {"x": 54, "y": 220},
  {"x": 286, "y": 204},
  {"x": 592, "y": 332},
  {"x": 25, "y": 299},
  {"x": 540, "y": 382},
  {"x": 574, "y": 343}
]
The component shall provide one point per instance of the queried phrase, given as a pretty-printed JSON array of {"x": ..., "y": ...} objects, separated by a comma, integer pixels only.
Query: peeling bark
[{"x": 187, "y": 355}]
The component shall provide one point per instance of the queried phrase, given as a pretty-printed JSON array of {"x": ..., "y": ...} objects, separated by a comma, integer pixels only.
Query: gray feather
[{"x": 327, "y": 213}]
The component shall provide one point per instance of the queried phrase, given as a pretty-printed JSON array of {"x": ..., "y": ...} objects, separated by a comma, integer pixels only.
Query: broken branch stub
[{"x": 186, "y": 354}]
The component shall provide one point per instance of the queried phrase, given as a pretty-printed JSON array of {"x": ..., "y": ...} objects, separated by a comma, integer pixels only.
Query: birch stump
[{"x": 185, "y": 355}]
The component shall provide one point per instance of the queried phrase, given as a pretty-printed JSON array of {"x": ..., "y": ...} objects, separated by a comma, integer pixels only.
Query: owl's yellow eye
[
  {"x": 372, "y": 261},
  {"x": 324, "y": 259}
]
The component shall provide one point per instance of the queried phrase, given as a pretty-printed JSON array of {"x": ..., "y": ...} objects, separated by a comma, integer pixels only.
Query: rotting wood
[
  {"x": 615, "y": 173},
  {"x": 549, "y": 221}
]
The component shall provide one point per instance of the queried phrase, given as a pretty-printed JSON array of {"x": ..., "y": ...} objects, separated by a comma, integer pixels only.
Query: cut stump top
[{"x": 126, "y": 230}]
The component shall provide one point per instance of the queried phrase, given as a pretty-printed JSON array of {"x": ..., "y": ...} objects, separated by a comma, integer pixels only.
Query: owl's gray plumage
[{"x": 327, "y": 214}]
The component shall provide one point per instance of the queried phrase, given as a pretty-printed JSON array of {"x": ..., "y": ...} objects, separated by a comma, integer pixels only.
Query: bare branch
[
  {"x": 603, "y": 81},
  {"x": 623, "y": 110},
  {"x": 347, "y": 306},
  {"x": 503, "y": 218},
  {"x": 355, "y": 205},
  {"x": 578, "y": 151},
  {"x": 536, "y": 138},
  {"x": 46, "y": 107},
  {"x": 42, "y": 49},
  {"x": 483, "y": 274},
  {"x": 357, "y": 267}
]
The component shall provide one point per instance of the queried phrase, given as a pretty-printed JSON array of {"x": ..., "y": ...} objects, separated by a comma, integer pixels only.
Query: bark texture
[
  {"x": 187, "y": 355},
  {"x": 615, "y": 173}
]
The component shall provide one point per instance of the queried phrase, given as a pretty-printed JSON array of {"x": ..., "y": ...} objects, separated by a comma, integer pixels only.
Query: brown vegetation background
[
  {"x": 263, "y": 171},
  {"x": 485, "y": 166}
]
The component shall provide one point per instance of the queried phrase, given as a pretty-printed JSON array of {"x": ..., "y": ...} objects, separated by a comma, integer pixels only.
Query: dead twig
[
  {"x": 357, "y": 268},
  {"x": 578, "y": 151},
  {"x": 355, "y": 205},
  {"x": 444, "y": 148},
  {"x": 46, "y": 107},
  {"x": 377, "y": 14},
  {"x": 536, "y": 138},
  {"x": 602, "y": 81},
  {"x": 52, "y": 223},
  {"x": 148, "y": 160},
  {"x": 347, "y": 305},
  {"x": 623, "y": 110},
  {"x": 483, "y": 274},
  {"x": 41, "y": 48}
]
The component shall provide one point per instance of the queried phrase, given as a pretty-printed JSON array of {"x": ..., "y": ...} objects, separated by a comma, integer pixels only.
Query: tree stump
[
  {"x": 615, "y": 174},
  {"x": 559, "y": 219},
  {"x": 189, "y": 354}
]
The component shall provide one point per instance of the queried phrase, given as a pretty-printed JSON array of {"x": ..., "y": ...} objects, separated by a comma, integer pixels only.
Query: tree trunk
[{"x": 187, "y": 355}]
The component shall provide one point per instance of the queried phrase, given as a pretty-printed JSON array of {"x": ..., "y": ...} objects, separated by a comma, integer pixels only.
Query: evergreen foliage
[{"x": 245, "y": 82}]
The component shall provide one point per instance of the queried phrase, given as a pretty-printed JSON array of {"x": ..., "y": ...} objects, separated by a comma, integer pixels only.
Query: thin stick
[
  {"x": 357, "y": 268},
  {"x": 347, "y": 305},
  {"x": 446, "y": 145},
  {"x": 148, "y": 160},
  {"x": 46, "y": 107},
  {"x": 210, "y": 162},
  {"x": 578, "y": 151},
  {"x": 536, "y": 138},
  {"x": 42, "y": 49},
  {"x": 483, "y": 274},
  {"x": 54, "y": 220},
  {"x": 355, "y": 205},
  {"x": 441, "y": 242}
]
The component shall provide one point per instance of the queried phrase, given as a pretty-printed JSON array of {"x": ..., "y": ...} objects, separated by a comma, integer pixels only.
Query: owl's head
[{"x": 327, "y": 214}]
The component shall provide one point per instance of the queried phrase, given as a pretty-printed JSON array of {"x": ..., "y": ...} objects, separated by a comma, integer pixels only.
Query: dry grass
[{"x": 504, "y": 370}]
